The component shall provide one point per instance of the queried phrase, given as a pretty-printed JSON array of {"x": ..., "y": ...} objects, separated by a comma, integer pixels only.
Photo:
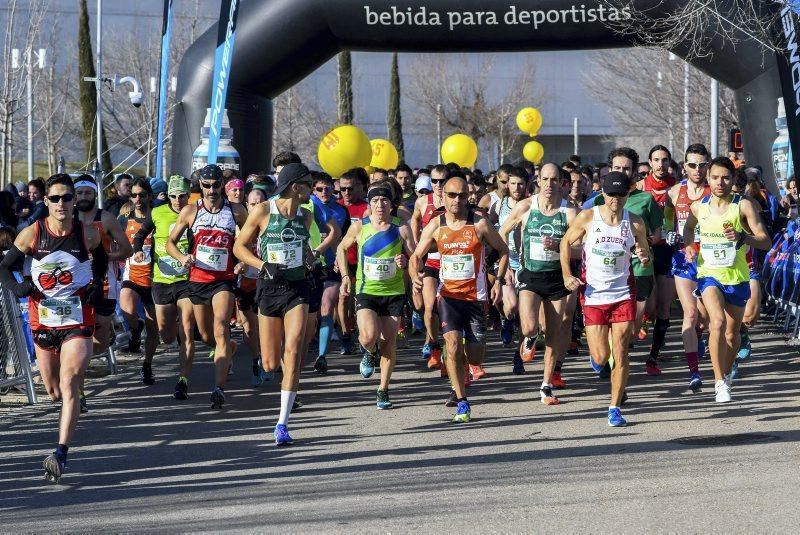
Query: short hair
[
  {"x": 519, "y": 172},
  {"x": 458, "y": 173},
  {"x": 452, "y": 166},
  {"x": 7, "y": 236},
  {"x": 142, "y": 183},
  {"x": 229, "y": 174},
  {"x": 403, "y": 167},
  {"x": 380, "y": 170},
  {"x": 443, "y": 170},
  {"x": 575, "y": 158},
  {"x": 358, "y": 174},
  {"x": 723, "y": 161},
  {"x": 697, "y": 148},
  {"x": 626, "y": 152},
  {"x": 740, "y": 178},
  {"x": 37, "y": 183},
  {"x": 123, "y": 176},
  {"x": 477, "y": 180},
  {"x": 505, "y": 168},
  {"x": 657, "y": 148},
  {"x": 568, "y": 166},
  {"x": 60, "y": 178},
  {"x": 285, "y": 158},
  {"x": 321, "y": 176}
]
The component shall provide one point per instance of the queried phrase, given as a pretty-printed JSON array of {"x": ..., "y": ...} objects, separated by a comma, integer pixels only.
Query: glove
[
  {"x": 24, "y": 289},
  {"x": 93, "y": 294},
  {"x": 673, "y": 238}
]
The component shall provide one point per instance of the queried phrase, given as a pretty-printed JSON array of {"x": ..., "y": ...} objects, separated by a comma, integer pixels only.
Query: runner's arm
[
  {"x": 426, "y": 243},
  {"x": 120, "y": 248},
  {"x": 239, "y": 214},
  {"x": 690, "y": 249},
  {"x": 22, "y": 246},
  {"x": 144, "y": 231},
  {"x": 247, "y": 235},
  {"x": 187, "y": 214},
  {"x": 334, "y": 233},
  {"x": 409, "y": 244},
  {"x": 576, "y": 250},
  {"x": 573, "y": 236},
  {"x": 415, "y": 223},
  {"x": 752, "y": 220},
  {"x": 514, "y": 218},
  {"x": 348, "y": 241},
  {"x": 642, "y": 247},
  {"x": 488, "y": 234}
]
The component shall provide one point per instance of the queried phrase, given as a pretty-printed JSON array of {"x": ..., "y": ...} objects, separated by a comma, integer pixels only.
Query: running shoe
[
  {"x": 643, "y": 330},
  {"x": 435, "y": 360},
  {"x": 347, "y": 345},
  {"x": 181, "y": 389},
  {"x": 507, "y": 332},
  {"x": 321, "y": 364},
  {"x": 651, "y": 367},
  {"x": 557, "y": 381},
  {"x": 256, "y": 380},
  {"x": 695, "y": 382},
  {"x": 539, "y": 342},
  {"x": 605, "y": 371},
  {"x": 701, "y": 347},
  {"x": 135, "y": 341},
  {"x": 297, "y": 404},
  {"x": 615, "y": 418},
  {"x": 212, "y": 353},
  {"x": 528, "y": 350},
  {"x": 745, "y": 349},
  {"x": 230, "y": 367},
  {"x": 595, "y": 366},
  {"x": 722, "y": 392},
  {"x": 54, "y": 466},
  {"x": 217, "y": 398},
  {"x": 367, "y": 366},
  {"x": 282, "y": 436},
  {"x": 383, "y": 400},
  {"x": 417, "y": 323},
  {"x": 82, "y": 399},
  {"x": 624, "y": 397},
  {"x": 147, "y": 374},
  {"x": 426, "y": 351},
  {"x": 546, "y": 393},
  {"x": 462, "y": 412},
  {"x": 266, "y": 376},
  {"x": 402, "y": 340},
  {"x": 734, "y": 370},
  {"x": 452, "y": 401},
  {"x": 519, "y": 368},
  {"x": 477, "y": 372}
]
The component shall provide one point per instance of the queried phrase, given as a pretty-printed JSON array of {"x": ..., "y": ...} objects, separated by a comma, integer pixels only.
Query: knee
[
  {"x": 716, "y": 324},
  {"x": 368, "y": 337},
  {"x": 690, "y": 319},
  {"x": 69, "y": 385}
]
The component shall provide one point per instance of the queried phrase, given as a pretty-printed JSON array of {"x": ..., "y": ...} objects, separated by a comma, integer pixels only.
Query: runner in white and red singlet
[{"x": 212, "y": 223}]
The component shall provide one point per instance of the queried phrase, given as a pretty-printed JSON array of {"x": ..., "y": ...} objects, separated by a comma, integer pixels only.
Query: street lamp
[{"x": 15, "y": 63}]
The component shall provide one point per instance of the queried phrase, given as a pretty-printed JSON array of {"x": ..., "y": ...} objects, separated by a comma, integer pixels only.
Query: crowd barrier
[{"x": 780, "y": 273}]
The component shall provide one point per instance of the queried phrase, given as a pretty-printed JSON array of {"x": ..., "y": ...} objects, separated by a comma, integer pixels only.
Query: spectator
[
  {"x": 122, "y": 188},
  {"x": 8, "y": 210},
  {"x": 36, "y": 196},
  {"x": 20, "y": 192}
]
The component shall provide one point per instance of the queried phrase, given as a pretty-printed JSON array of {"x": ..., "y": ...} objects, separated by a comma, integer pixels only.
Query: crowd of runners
[{"x": 544, "y": 254}]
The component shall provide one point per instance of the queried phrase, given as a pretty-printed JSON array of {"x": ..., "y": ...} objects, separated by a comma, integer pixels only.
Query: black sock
[
  {"x": 558, "y": 366},
  {"x": 462, "y": 399},
  {"x": 659, "y": 332},
  {"x": 62, "y": 449}
]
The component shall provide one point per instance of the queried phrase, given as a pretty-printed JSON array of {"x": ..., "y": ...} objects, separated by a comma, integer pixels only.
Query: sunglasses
[
  {"x": 438, "y": 181},
  {"x": 455, "y": 194},
  {"x": 138, "y": 195},
  {"x": 693, "y": 165},
  {"x": 211, "y": 185},
  {"x": 325, "y": 189},
  {"x": 55, "y": 199},
  {"x": 503, "y": 181},
  {"x": 180, "y": 196},
  {"x": 348, "y": 188}
]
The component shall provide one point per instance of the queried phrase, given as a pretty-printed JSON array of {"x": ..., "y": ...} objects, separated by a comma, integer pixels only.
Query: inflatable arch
[{"x": 279, "y": 42}]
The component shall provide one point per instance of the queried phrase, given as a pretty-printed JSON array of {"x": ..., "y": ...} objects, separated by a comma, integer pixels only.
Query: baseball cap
[
  {"x": 616, "y": 183},
  {"x": 210, "y": 172},
  {"x": 158, "y": 186},
  {"x": 290, "y": 173},
  {"x": 423, "y": 182},
  {"x": 177, "y": 185}
]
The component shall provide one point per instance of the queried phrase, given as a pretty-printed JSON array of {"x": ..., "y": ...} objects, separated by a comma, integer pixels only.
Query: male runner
[
  {"x": 281, "y": 228},
  {"x": 212, "y": 223},
  {"x": 608, "y": 233},
  {"x": 728, "y": 224},
  {"x": 459, "y": 235},
  {"x": 384, "y": 245},
  {"x": 65, "y": 284},
  {"x": 681, "y": 198},
  {"x": 137, "y": 275},
  {"x": 544, "y": 219},
  {"x": 174, "y": 313},
  {"x": 501, "y": 181},
  {"x": 424, "y": 210}
]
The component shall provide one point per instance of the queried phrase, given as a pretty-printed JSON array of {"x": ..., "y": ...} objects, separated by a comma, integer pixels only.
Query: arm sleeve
[
  {"x": 99, "y": 263},
  {"x": 7, "y": 279},
  {"x": 145, "y": 230}
]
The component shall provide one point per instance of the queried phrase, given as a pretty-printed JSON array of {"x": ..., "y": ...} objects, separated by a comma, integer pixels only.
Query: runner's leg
[
  {"x": 621, "y": 333},
  {"x": 388, "y": 326},
  {"x": 222, "y": 308},
  {"x": 186, "y": 327},
  {"x": 75, "y": 356}
]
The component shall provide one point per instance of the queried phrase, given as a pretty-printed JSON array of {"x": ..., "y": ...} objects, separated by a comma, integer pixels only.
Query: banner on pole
[
  {"x": 226, "y": 36},
  {"x": 789, "y": 69},
  {"x": 166, "y": 36}
]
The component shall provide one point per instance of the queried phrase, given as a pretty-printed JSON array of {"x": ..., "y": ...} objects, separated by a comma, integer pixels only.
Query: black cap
[
  {"x": 616, "y": 183},
  {"x": 290, "y": 173},
  {"x": 210, "y": 172}
]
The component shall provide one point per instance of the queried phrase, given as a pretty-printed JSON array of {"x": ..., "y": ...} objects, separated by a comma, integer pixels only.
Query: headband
[
  {"x": 380, "y": 191},
  {"x": 85, "y": 184},
  {"x": 235, "y": 183}
]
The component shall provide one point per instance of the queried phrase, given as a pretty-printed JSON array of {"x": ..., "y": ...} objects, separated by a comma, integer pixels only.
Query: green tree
[
  {"x": 344, "y": 100},
  {"x": 394, "y": 121},
  {"x": 88, "y": 96}
]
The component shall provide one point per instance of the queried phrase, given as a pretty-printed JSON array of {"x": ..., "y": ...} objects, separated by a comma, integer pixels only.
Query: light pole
[
  {"x": 714, "y": 118},
  {"x": 15, "y": 63}
]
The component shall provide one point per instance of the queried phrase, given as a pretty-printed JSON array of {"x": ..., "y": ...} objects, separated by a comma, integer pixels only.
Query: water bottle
[
  {"x": 227, "y": 155},
  {"x": 781, "y": 149}
]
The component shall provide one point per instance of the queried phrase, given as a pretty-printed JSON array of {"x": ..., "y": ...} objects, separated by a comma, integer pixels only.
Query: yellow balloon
[
  {"x": 460, "y": 149},
  {"x": 342, "y": 148},
  {"x": 533, "y": 152},
  {"x": 384, "y": 154},
  {"x": 529, "y": 120}
]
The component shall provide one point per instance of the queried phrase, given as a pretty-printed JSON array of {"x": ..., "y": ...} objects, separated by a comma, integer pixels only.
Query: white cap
[{"x": 423, "y": 182}]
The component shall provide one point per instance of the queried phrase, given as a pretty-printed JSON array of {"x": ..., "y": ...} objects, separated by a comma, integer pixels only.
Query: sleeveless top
[
  {"x": 537, "y": 227},
  {"x": 463, "y": 264},
  {"x": 606, "y": 267},
  {"x": 167, "y": 270},
  {"x": 683, "y": 206},
  {"x": 503, "y": 211},
  {"x": 356, "y": 212},
  {"x": 61, "y": 269},
  {"x": 212, "y": 237},
  {"x": 659, "y": 190},
  {"x": 111, "y": 284},
  {"x": 432, "y": 260},
  {"x": 139, "y": 273},
  {"x": 719, "y": 258},
  {"x": 284, "y": 243},
  {"x": 377, "y": 272}
]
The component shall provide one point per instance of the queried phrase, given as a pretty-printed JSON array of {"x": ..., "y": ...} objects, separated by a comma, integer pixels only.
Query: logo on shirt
[{"x": 288, "y": 234}]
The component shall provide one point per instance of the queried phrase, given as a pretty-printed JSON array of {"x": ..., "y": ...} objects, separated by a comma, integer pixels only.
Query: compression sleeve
[
  {"x": 99, "y": 263},
  {"x": 144, "y": 231},
  {"x": 7, "y": 279}
]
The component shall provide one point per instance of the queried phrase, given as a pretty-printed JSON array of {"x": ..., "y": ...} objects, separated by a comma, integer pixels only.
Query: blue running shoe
[
  {"x": 347, "y": 345},
  {"x": 266, "y": 376},
  {"x": 519, "y": 367},
  {"x": 462, "y": 412},
  {"x": 383, "y": 400},
  {"x": 217, "y": 398},
  {"x": 507, "y": 332},
  {"x": 282, "y": 437},
  {"x": 695, "y": 382},
  {"x": 367, "y": 366},
  {"x": 745, "y": 348},
  {"x": 615, "y": 418},
  {"x": 595, "y": 366},
  {"x": 426, "y": 351},
  {"x": 417, "y": 323}
]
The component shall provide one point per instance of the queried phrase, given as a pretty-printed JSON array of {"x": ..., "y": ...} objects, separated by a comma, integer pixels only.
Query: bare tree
[
  {"x": 644, "y": 92},
  {"x": 300, "y": 122},
  {"x": 466, "y": 103}
]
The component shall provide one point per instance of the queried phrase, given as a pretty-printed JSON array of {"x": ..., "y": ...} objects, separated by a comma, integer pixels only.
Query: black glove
[
  {"x": 93, "y": 294},
  {"x": 24, "y": 289}
]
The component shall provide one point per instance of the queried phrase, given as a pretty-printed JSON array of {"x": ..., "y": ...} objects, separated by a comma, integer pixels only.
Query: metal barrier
[{"x": 15, "y": 361}]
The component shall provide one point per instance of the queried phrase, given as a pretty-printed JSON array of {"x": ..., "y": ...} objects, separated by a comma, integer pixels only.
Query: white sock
[{"x": 287, "y": 401}]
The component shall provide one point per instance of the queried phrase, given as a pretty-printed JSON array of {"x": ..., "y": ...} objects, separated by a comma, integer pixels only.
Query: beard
[{"x": 84, "y": 205}]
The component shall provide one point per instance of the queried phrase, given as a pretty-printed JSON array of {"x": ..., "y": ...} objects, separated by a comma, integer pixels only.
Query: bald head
[
  {"x": 550, "y": 171},
  {"x": 456, "y": 183}
]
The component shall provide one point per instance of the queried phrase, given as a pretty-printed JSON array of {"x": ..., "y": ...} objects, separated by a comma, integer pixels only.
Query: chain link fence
[{"x": 15, "y": 359}]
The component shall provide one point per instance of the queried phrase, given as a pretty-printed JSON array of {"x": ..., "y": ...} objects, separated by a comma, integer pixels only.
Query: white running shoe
[{"x": 723, "y": 392}]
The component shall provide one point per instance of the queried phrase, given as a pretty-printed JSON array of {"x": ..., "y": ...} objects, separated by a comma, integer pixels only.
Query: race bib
[
  {"x": 170, "y": 267},
  {"x": 458, "y": 267},
  {"x": 720, "y": 255},
  {"x": 211, "y": 258},
  {"x": 538, "y": 252},
  {"x": 60, "y": 312},
  {"x": 147, "y": 257},
  {"x": 287, "y": 255},
  {"x": 611, "y": 263},
  {"x": 379, "y": 269}
]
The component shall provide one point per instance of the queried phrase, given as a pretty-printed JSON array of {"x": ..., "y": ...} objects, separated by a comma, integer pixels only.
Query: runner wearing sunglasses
[{"x": 212, "y": 223}]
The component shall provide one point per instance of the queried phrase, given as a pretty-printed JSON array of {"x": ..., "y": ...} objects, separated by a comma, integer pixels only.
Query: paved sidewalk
[{"x": 145, "y": 462}]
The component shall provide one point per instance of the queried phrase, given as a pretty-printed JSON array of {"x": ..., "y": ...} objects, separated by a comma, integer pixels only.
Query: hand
[
  {"x": 673, "y": 238},
  {"x": 24, "y": 289},
  {"x": 188, "y": 260},
  {"x": 496, "y": 293},
  {"x": 550, "y": 244},
  {"x": 401, "y": 261},
  {"x": 643, "y": 255},
  {"x": 336, "y": 267},
  {"x": 690, "y": 252},
  {"x": 138, "y": 257},
  {"x": 417, "y": 282},
  {"x": 94, "y": 293},
  {"x": 572, "y": 283},
  {"x": 729, "y": 233},
  {"x": 510, "y": 278},
  {"x": 345, "y": 288},
  {"x": 238, "y": 268}
]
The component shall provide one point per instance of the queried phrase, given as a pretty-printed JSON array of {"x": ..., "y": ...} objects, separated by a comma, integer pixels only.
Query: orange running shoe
[
  {"x": 557, "y": 381},
  {"x": 528, "y": 350},
  {"x": 643, "y": 329},
  {"x": 435, "y": 360},
  {"x": 477, "y": 372}
]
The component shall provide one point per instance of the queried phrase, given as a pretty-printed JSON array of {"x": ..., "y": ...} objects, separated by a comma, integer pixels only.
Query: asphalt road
[{"x": 142, "y": 461}]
